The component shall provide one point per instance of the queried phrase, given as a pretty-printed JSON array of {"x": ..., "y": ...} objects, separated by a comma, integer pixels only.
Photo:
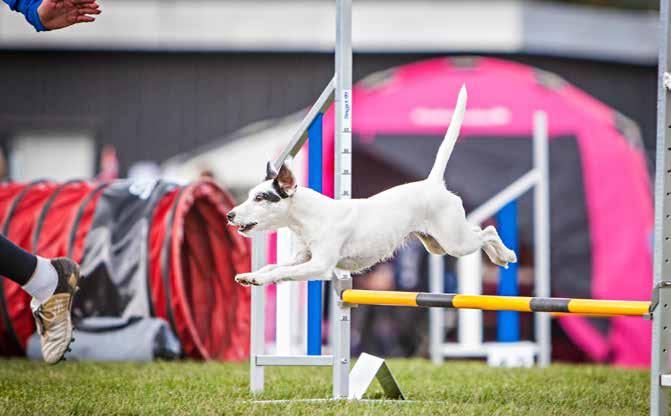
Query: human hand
[{"x": 57, "y": 14}]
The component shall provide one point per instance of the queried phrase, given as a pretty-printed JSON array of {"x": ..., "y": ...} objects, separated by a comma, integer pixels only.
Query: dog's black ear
[
  {"x": 286, "y": 181},
  {"x": 271, "y": 173}
]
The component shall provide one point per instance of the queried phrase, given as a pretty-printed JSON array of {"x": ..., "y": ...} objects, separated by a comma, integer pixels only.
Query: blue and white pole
[
  {"x": 508, "y": 328},
  {"x": 314, "y": 327}
]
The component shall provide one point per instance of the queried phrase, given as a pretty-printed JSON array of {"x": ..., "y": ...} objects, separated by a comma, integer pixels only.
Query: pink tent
[{"x": 601, "y": 205}]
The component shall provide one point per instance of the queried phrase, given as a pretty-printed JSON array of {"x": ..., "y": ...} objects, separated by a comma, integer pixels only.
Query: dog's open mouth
[{"x": 247, "y": 227}]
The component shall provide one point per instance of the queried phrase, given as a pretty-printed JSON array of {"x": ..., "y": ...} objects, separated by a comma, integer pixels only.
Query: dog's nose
[{"x": 230, "y": 216}]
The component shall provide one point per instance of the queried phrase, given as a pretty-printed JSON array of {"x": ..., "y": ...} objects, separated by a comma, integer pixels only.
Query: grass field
[{"x": 462, "y": 388}]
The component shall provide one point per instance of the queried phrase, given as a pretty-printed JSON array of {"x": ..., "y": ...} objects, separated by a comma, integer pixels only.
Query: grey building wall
[{"x": 155, "y": 105}]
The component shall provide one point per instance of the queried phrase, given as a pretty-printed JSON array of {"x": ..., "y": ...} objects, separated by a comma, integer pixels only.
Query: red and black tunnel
[{"x": 146, "y": 249}]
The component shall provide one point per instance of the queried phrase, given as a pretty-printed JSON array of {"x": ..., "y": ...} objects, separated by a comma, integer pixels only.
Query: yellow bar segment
[
  {"x": 378, "y": 297},
  {"x": 608, "y": 307},
  {"x": 492, "y": 303}
]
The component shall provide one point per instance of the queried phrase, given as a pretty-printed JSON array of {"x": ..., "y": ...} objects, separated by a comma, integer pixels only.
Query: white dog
[{"x": 353, "y": 235}]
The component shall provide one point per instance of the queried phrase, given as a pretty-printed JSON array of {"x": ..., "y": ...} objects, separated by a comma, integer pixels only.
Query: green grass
[{"x": 457, "y": 388}]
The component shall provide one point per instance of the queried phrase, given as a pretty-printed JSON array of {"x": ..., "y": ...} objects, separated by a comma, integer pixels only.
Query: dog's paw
[
  {"x": 248, "y": 279},
  {"x": 504, "y": 257},
  {"x": 242, "y": 280},
  {"x": 500, "y": 262},
  {"x": 510, "y": 257}
]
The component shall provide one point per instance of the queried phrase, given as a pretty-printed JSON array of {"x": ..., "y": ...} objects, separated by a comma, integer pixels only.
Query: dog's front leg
[
  {"x": 298, "y": 258},
  {"x": 312, "y": 269},
  {"x": 245, "y": 278},
  {"x": 302, "y": 256}
]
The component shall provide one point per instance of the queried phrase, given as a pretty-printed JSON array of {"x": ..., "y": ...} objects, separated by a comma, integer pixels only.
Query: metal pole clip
[
  {"x": 341, "y": 281},
  {"x": 664, "y": 284}
]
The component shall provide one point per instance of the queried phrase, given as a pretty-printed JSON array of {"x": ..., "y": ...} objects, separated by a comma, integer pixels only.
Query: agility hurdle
[
  {"x": 498, "y": 303},
  {"x": 353, "y": 386}
]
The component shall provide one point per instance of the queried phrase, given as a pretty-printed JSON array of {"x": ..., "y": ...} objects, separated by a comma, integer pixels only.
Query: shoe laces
[
  {"x": 37, "y": 313},
  {"x": 44, "y": 317}
]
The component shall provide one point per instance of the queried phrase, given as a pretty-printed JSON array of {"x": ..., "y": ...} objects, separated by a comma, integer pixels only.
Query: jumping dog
[{"x": 353, "y": 235}]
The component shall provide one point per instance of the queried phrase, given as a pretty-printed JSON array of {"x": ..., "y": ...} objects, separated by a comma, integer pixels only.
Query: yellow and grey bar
[{"x": 497, "y": 303}]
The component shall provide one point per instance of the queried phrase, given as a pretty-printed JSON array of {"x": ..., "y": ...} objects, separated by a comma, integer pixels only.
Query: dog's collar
[{"x": 279, "y": 190}]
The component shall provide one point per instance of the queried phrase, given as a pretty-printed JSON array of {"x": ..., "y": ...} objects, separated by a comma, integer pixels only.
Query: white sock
[{"x": 43, "y": 282}]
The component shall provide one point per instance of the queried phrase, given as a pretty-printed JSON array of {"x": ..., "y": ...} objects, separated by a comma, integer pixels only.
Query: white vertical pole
[
  {"x": 659, "y": 395},
  {"x": 258, "y": 327},
  {"x": 284, "y": 318},
  {"x": 286, "y": 296},
  {"x": 299, "y": 329},
  {"x": 436, "y": 315},
  {"x": 333, "y": 312},
  {"x": 542, "y": 235},
  {"x": 299, "y": 334},
  {"x": 343, "y": 185},
  {"x": 469, "y": 273}
]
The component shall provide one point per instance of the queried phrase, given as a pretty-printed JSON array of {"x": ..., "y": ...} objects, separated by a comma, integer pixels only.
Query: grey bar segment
[
  {"x": 435, "y": 300},
  {"x": 549, "y": 304}
]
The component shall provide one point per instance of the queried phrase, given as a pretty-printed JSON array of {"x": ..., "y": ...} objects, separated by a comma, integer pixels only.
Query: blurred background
[{"x": 186, "y": 90}]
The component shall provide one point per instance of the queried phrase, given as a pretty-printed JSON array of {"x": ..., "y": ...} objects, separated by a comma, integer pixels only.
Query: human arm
[{"x": 55, "y": 14}]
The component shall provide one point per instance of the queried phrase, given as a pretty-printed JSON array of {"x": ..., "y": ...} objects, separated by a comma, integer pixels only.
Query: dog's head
[{"x": 268, "y": 203}]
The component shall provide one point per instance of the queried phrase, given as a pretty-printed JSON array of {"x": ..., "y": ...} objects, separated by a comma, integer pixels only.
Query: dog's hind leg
[
  {"x": 459, "y": 238},
  {"x": 456, "y": 238},
  {"x": 497, "y": 252},
  {"x": 430, "y": 244}
]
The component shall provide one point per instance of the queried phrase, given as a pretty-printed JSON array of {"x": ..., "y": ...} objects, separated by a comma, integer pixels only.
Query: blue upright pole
[
  {"x": 315, "y": 287},
  {"x": 508, "y": 328}
]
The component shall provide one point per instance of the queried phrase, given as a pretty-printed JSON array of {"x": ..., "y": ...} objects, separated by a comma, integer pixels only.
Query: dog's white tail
[{"x": 446, "y": 147}]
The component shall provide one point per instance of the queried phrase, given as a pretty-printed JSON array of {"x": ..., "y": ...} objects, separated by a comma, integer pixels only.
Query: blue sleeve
[{"x": 29, "y": 9}]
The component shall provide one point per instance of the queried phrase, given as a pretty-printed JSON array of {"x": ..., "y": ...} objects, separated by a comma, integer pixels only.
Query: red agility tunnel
[{"x": 146, "y": 249}]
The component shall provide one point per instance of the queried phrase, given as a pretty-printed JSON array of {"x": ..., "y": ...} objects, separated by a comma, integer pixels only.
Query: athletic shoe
[{"x": 53, "y": 319}]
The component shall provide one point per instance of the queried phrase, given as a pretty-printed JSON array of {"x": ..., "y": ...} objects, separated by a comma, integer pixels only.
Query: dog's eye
[{"x": 258, "y": 198}]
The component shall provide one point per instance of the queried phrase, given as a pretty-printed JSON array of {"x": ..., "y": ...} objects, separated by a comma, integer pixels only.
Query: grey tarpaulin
[
  {"x": 115, "y": 263},
  {"x": 118, "y": 339}
]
